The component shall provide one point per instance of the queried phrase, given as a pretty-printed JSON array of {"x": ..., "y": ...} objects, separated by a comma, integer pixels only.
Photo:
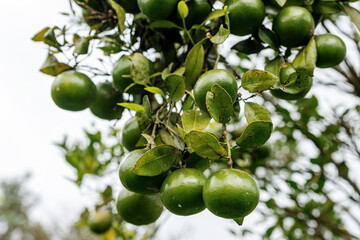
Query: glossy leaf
[
  {"x": 132, "y": 106},
  {"x": 220, "y": 36},
  {"x": 140, "y": 69},
  {"x": 156, "y": 161},
  {"x": 175, "y": 85},
  {"x": 120, "y": 13},
  {"x": 269, "y": 37},
  {"x": 39, "y": 37},
  {"x": 194, "y": 64},
  {"x": 297, "y": 82},
  {"x": 255, "y": 112},
  {"x": 255, "y": 134},
  {"x": 306, "y": 58},
  {"x": 195, "y": 120},
  {"x": 219, "y": 104},
  {"x": 275, "y": 65},
  {"x": 249, "y": 46},
  {"x": 214, "y": 15},
  {"x": 52, "y": 67},
  {"x": 155, "y": 90},
  {"x": 183, "y": 9},
  {"x": 206, "y": 145},
  {"x": 258, "y": 80}
]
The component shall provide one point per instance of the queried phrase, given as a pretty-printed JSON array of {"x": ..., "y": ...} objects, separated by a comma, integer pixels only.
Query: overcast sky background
[{"x": 31, "y": 122}]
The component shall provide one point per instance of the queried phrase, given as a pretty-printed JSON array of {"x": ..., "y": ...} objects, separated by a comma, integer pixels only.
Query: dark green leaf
[
  {"x": 327, "y": 8},
  {"x": 163, "y": 24},
  {"x": 206, "y": 145},
  {"x": 219, "y": 104},
  {"x": 175, "y": 85},
  {"x": 195, "y": 161},
  {"x": 194, "y": 64},
  {"x": 297, "y": 82},
  {"x": 269, "y": 37},
  {"x": 156, "y": 161},
  {"x": 249, "y": 46},
  {"x": 255, "y": 134},
  {"x": 258, "y": 80}
]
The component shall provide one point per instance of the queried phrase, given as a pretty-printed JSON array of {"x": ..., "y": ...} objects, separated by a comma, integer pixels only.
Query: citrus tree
[{"x": 202, "y": 114}]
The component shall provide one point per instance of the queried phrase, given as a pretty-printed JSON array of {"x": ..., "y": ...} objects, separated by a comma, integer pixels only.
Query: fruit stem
[
  {"x": 187, "y": 32},
  {"x": 229, "y": 160}
]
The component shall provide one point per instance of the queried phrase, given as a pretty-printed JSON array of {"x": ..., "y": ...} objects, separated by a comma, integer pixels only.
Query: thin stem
[
  {"x": 229, "y": 160},
  {"x": 187, "y": 32}
]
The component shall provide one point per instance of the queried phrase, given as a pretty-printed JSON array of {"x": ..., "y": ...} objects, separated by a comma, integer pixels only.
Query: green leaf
[
  {"x": 249, "y": 46},
  {"x": 220, "y": 36},
  {"x": 52, "y": 67},
  {"x": 255, "y": 112},
  {"x": 132, "y": 106},
  {"x": 120, "y": 13},
  {"x": 195, "y": 120},
  {"x": 81, "y": 46},
  {"x": 183, "y": 9},
  {"x": 155, "y": 90},
  {"x": 140, "y": 69},
  {"x": 213, "y": 15},
  {"x": 156, "y": 161},
  {"x": 239, "y": 221},
  {"x": 197, "y": 162},
  {"x": 269, "y": 37},
  {"x": 39, "y": 37},
  {"x": 255, "y": 134},
  {"x": 194, "y": 64},
  {"x": 189, "y": 103},
  {"x": 354, "y": 14},
  {"x": 50, "y": 38},
  {"x": 258, "y": 80},
  {"x": 327, "y": 8},
  {"x": 297, "y": 82},
  {"x": 164, "y": 24},
  {"x": 219, "y": 104},
  {"x": 281, "y": 2},
  {"x": 306, "y": 58},
  {"x": 275, "y": 65},
  {"x": 143, "y": 120},
  {"x": 206, "y": 145},
  {"x": 175, "y": 85}
]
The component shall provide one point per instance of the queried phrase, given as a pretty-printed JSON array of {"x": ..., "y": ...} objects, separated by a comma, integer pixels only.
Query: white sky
[{"x": 31, "y": 122}]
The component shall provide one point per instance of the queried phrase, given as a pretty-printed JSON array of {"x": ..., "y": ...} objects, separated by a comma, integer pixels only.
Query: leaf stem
[{"x": 229, "y": 160}]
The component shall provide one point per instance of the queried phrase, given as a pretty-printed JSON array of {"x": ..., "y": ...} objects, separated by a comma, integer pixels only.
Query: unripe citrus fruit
[
  {"x": 294, "y": 26},
  {"x": 134, "y": 182},
  {"x": 331, "y": 50},
  {"x": 181, "y": 192},
  {"x": 245, "y": 16},
  {"x": 217, "y": 76},
  {"x": 231, "y": 193},
  {"x": 138, "y": 209},
  {"x": 157, "y": 9},
  {"x": 105, "y": 105},
  {"x": 73, "y": 91},
  {"x": 198, "y": 11},
  {"x": 130, "y": 6},
  {"x": 131, "y": 134},
  {"x": 101, "y": 221}
]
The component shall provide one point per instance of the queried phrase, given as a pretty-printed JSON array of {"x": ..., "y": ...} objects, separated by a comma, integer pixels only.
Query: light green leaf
[
  {"x": 255, "y": 112},
  {"x": 306, "y": 58},
  {"x": 220, "y": 36},
  {"x": 156, "y": 161},
  {"x": 132, "y": 106},
  {"x": 39, "y": 37},
  {"x": 52, "y": 67},
  {"x": 219, "y": 104},
  {"x": 213, "y": 15},
  {"x": 297, "y": 82},
  {"x": 354, "y": 14},
  {"x": 281, "y": 2},
  {"x": 205, "y": 145},
  {"x": 275, "y": 65},
  {"x": 120, "y": 13},
  {"x": 258, "y": 80},
  {"x": 175, "y": 85},
  {"x": 183, "y": 9},
  {"x": 81, "y": 46},
  {"x": 155, "y": 90},
  {"x": 194, "y": 64},
  {"x": 140, "y": 69},
  {"x": 195, "y": 120}
]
